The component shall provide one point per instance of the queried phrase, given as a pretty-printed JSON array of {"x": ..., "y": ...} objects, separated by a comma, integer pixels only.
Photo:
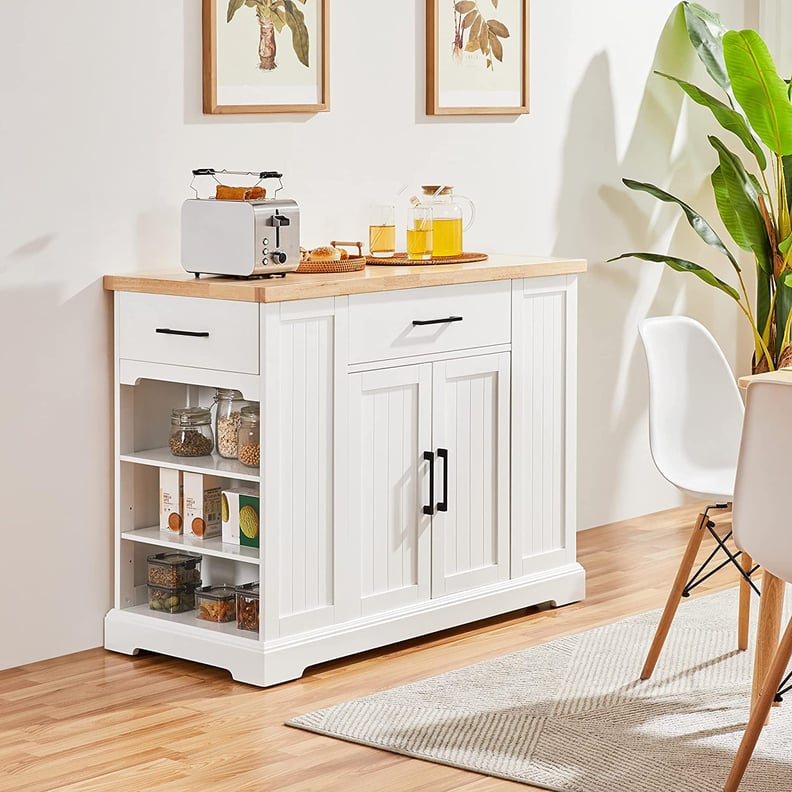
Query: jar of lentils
[
  {"x": 228, "y": 405},
  {"x": 249, "y": 445},
  {"x": 191, "y": 432}
]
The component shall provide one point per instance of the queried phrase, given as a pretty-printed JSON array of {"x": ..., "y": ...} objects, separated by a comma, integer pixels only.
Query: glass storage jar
[
  {"x": 191, "y": 432},
  {"x": 249, "y": 445},
  {"x": 228, "y": 405}
]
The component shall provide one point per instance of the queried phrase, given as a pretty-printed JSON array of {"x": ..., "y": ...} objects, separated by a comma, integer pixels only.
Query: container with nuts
[
  {"x": 191, "y": 432},
  {"x": 249, "y": 442},
  {"x": 174, "y": 569},
  {"x": 228, "y": 405},
  {"x": 247, "y": 607}
]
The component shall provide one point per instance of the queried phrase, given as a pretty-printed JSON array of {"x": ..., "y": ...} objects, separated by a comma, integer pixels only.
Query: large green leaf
[
  {"x": 295, "y": 19},
  {"x": 682, "y": 265},
  {"x": 761, "y": 93},
  {"x": 697, "y": 222},
  {"x": 728, "y": 118},
  {"x": 706, "y": 31},
  {"x": 747, "y": 223}
]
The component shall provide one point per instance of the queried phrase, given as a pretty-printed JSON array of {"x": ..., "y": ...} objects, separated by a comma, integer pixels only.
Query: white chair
[
  {"x": 695, "y": 420},
  {"x": 761, "y": 519}
]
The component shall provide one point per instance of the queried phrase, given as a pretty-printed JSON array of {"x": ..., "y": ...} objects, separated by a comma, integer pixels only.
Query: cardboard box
[
  {"x": 170, "y": 501},
  {"x": 202, "y": 499},
  {"x": 231, "y": 507}
]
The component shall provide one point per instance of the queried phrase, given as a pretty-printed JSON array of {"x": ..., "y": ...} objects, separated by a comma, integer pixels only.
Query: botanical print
[
  {"x": 483, "y": 35},
  {"x": 273, "y": 16},
  {"x": 480, "y": 53},
  {"x": 269, "y": 53}
]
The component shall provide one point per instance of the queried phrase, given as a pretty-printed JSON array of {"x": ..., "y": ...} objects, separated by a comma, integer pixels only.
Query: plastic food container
[
  {"x": 247, "y": 607},
  {"x": 174, "y": 569},
  {"x": 216, "y": 603},
  {"x": 176, "y": 599}
]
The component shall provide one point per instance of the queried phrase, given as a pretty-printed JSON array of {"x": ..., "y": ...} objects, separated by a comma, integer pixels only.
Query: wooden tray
[
  {"x": 351, "y": 264},
  {"x": 401, "y": 260}
]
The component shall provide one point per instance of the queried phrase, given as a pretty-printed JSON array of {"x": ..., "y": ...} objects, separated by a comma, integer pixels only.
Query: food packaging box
[
  {"x": 216, "y": 603},
  {"x": 170, "y": 500},
  {"x": 247, "y": 607},
  {"x": 176, "y": 599},
  {"x": 201, "y": 498},
  {"x": 230, "y": 507},
  {"x": 174, "y": 569}
]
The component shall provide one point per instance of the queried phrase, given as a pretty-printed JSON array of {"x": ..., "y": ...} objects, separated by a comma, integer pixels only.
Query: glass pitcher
[{"x": 448, "y": 218}]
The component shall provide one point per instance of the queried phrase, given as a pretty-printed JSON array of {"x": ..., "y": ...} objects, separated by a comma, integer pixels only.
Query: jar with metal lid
[
  {"x": 191, "y": 432},
  {"x": 228, "y": 406},
  {"x": 249, "y": 445}
]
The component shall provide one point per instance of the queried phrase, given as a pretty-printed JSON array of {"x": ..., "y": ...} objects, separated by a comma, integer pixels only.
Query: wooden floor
[{"x": 102, "y": 721}]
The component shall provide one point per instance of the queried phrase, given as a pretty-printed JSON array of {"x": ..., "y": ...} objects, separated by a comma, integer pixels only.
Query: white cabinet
[{"x": 417, "y": 466}]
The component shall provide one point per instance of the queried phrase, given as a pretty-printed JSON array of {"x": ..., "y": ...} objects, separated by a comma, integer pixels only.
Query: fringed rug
[{"x": 571, "y": 714}]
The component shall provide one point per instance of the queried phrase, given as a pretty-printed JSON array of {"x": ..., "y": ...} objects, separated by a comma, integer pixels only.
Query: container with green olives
[{"x": 177, "y": 599}]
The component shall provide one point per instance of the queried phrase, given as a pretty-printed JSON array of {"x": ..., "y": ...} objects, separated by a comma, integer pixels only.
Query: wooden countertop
[{"x": 374, "y": 278}]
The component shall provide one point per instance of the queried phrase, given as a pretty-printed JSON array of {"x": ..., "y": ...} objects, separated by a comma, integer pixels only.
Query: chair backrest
[
  {"x": 695, "y": 407},
  {"x": 761, "y": 512}
]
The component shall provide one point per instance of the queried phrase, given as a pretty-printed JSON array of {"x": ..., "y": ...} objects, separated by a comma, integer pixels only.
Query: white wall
[{"x": 101, "y": 125}]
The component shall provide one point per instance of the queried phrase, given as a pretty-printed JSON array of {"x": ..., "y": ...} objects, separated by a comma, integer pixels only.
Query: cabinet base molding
[{"x": 265, "y": 663}]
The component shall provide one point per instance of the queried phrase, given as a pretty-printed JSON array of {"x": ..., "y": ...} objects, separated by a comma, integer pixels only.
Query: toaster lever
[{"x": 280, "y": 220}]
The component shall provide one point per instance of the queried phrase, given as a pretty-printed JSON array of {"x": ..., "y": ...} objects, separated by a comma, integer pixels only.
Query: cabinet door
[
  {"x": 470, "y": 435},
  {"x": 389, "y": 430},
  {"x": 543, "y": 439}
]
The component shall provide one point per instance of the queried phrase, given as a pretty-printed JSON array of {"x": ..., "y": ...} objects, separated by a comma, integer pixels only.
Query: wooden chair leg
[
  {"x": 672, "y": 603},
  {"x": 760, "y": 710},
  {"x": 745, "y": 604}
]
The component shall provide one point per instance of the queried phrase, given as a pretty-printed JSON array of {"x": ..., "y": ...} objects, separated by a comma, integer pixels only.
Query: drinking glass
[
  {"x": 419, "y": 233},
  {"x": 382, "y": 231}
]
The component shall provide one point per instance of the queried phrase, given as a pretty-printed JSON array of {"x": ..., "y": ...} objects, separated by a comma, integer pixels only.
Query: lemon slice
[{"x": 249, "y": 522}]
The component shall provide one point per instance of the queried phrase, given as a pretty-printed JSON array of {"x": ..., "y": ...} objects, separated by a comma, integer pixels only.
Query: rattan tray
[
  {"x": 350, "y": 264},
  {"x": 401, "y": 260}
]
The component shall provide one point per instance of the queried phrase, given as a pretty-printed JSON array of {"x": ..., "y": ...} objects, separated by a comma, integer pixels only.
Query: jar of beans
[
  {"x": 249, "y": 446},
  {"x": 228, "y": 405},
  {"x": 191, "y": 432}
]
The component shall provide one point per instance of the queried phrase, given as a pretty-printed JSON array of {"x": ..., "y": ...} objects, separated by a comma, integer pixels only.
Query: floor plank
[{"x": 102, "y": 721}]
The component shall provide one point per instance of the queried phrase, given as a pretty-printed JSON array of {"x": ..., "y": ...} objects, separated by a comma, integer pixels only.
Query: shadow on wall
[{"x": 598, "y": 218}]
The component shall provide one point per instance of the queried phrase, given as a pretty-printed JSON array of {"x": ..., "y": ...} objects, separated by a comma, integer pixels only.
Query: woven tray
[
  {"x": 401, "y": 260},
  {"x": 351, "y": 264}
]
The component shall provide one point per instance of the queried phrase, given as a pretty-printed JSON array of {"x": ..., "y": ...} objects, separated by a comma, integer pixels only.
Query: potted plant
[{"x": 753, "y": 200}]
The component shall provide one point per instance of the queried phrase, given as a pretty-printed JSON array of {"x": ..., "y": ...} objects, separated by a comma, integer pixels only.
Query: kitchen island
[{"x": 417, "y": 452}]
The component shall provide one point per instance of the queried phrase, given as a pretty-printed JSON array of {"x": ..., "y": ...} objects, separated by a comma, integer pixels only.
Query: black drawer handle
[
  {"x": 429, "y": 457},
  {"x": 194, "y": 333},
  {"x": 442, "y": 453},
  {"x": 418, "y": 322}
]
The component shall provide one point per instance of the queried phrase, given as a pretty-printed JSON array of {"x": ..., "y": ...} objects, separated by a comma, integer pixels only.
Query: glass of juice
[
  {"x": 382, "y": 230},
  {"x": 419, "y": 233}
]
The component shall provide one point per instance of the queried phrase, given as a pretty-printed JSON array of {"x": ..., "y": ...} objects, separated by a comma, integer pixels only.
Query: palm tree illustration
[
  {"x": 482, "y": 34},
  {"x": 273, "y": 16}
]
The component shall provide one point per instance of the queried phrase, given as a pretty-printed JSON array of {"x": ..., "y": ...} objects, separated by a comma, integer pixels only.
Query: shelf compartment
[
  {"x": 209, "y": 547},
  {"x": 211, "y": 465},
  {"x": 190, "y": 620}
]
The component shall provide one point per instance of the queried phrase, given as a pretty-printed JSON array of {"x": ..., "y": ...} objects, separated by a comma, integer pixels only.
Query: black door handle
[
  {"x": 419, "y": 322},
  {"x": 442, "y": 453},
  {"x": 429, "y": 457},
  {"x": 195, "y": 333}
]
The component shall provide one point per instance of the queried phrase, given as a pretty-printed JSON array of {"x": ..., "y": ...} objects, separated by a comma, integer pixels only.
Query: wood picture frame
[
  {"x": 272, "y": 57},
  {"x": 477, "y": 57}
]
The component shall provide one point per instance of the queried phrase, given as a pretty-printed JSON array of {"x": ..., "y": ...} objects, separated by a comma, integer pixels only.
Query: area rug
[{"x": 572, "y": 716}]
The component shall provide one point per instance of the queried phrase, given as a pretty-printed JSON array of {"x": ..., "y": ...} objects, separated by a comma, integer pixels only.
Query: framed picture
[
  {"x": 265, "y": 56},
  {"x": 476, "y": 57}
]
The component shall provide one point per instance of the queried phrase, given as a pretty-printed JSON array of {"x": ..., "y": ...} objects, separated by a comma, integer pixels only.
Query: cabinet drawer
[
  {"x": 190, "y": 331},
  {"x": 382, "y": 325}
]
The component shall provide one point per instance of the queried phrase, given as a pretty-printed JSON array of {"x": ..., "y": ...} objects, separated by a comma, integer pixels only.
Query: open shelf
[
  {"x": 211, "y": 465},
  {"x": 190, "y": 620},
  {"x": 210, "y": 547}
]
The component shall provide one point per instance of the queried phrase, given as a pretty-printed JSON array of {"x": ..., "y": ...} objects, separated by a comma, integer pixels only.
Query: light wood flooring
[{"x": 102, "y": 721}]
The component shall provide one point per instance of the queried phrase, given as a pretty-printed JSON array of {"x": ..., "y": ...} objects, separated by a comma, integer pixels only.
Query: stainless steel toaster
[{"x": 245, "y": 239}]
